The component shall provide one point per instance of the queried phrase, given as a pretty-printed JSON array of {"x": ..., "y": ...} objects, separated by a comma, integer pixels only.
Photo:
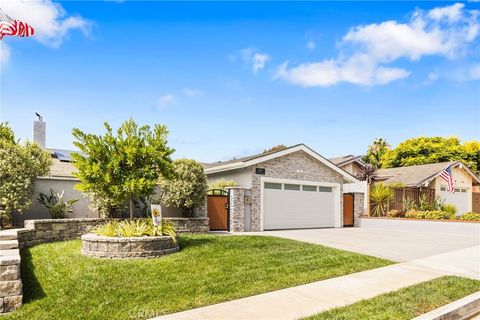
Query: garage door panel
[{"x": 289, "y": 209}]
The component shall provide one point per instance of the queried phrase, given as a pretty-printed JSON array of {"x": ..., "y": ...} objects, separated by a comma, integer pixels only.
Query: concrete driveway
[{"x": 394, "y": 245}]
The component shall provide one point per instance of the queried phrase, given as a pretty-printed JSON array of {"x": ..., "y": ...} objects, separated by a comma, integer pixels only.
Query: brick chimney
[{"x": 40, "y": 131}]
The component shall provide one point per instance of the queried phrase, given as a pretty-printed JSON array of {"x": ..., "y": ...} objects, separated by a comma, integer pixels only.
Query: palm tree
[{"x": 380, "y": 196}]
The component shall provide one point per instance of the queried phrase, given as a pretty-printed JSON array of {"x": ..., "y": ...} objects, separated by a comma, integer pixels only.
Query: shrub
[
  {"x": 450, "y": 208},
  {"x": 380, "y": 195},
  {"x": 20, "y": 165},
  {"x": 431, "y": 214},
  {"x": 56, "y": 205},
  {"x": 188, "y": 188},
  {"x": 135, "y": 228},
  {"x": 425, "y": 205},
  {"x": 470, "y": 216},
  {"x": 395, "y": 213},
  {"x": 222, "y": 184}
]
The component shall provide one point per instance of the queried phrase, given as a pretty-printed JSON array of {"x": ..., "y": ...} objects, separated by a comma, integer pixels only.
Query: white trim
[
  {"x": 336, "y": 191},
  {"x": 260, "y": 159}
]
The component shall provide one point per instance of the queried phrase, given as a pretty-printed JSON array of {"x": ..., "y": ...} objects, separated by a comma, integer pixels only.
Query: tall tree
[
  {"x": 424, "y": 150},
  {"x": 20, "y": 165},
  {"x": 376, "y": 152},
  {"x": 117, "y": 168}
]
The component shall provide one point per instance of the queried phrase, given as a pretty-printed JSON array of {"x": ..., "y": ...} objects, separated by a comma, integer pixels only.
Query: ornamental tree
[
  {"x": 188, "y": 188},
  {"x": 118, "y": 167},
  {"x": 20, "y": 165}
]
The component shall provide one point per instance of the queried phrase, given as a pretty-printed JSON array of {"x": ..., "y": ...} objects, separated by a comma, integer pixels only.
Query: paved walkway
[{"x": 309, "y": 299}]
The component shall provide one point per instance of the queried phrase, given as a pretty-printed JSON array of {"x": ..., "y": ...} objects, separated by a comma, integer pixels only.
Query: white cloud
[
  {"x": 367, "y": 50},
  {"x": 165, "y": 101},
  {"x": 311, "y": 45},
  {"x": 432, "y": 77},
  {"x": 254, "y": 58},
  {"x": 50, "y": 20},
  {"x": 4, "y": 53},
  {"x": 451, "y": 13},
  {"x": 259, "y": 61},
  {"x": 192, "y": 92}
]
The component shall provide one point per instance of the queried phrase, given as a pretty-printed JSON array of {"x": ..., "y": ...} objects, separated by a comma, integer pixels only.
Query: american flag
[
  {"x": 13, "y": 27},
  {"x": 447, "y": 176}
]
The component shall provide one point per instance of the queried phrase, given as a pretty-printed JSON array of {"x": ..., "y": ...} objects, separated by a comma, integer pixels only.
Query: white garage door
[
  {"x": 459, "y": 199},
  {"x": 293, "y": 205}
]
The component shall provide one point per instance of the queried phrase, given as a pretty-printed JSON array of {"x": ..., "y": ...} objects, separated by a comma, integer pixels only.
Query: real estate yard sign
[{"x": 156, "y": 214}]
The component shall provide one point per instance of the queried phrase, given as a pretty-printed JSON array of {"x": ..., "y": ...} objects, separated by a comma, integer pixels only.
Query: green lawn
[
  {"x": 60, "y": 283},
  {"x": 406, "y": 303}
]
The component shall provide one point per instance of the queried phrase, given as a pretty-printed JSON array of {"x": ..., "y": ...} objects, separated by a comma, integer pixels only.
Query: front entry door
[{"x": 348, "y": 210}]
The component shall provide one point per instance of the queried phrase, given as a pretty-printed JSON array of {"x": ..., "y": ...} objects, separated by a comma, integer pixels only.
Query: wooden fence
[
  {"x": 476, "y": 202},
  {"x": 413, "y": 194}
]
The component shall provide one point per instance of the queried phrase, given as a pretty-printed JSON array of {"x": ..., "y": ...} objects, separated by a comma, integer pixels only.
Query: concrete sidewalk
[{"x": 309, "y": 299}]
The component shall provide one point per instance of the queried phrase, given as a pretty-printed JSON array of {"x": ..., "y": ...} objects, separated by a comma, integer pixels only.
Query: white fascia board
[{"x": 302, "y": 147}]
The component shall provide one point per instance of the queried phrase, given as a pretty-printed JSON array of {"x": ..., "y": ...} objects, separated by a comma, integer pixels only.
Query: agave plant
[
  {"x": 380, "y": 195},
  {"x": 56, "y": 205}
]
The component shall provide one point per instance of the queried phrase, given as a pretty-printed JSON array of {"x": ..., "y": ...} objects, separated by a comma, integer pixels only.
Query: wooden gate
[
  {"x": 348, "y": 210},
  {"x": 476, "y": 202},
  {"x": 217, "y": 208}
]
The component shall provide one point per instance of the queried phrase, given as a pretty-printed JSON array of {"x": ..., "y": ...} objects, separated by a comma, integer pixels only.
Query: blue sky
[{"x": 230, "y": 79}]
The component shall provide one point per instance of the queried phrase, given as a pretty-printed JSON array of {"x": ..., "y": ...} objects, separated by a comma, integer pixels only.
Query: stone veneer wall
[
  {"x": 190, "y": 225},
  {"x": 358, "y": 209},
  {"x": 51, "y": 230},
  {"x": 296, "y": 166},
  {"x": 10, "y": 282},
  {"x": 239, "y": 209},
  {"x": 126, "y": 248}
]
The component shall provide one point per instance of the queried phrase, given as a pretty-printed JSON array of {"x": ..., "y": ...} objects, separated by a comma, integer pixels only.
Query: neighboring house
[
  {"x": 428, "y": 177},
  {"x": 287, "y": 189},
  {"x": 352, "y": 164}
]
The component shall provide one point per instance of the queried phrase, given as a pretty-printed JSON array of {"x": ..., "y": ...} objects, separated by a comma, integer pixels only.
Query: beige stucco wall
[
  {"x": 243, "y": 177},
  {"x": 462, "y": 180},
  {"x": 352, "y": 168},
  {"x": 80, "y": 209}
]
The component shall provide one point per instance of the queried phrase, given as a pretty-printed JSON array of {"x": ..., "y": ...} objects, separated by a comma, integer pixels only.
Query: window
[
  {"x": 270, "y": 185},
  {"x": 463, "y": 190},
  {"x": 295, "y": 187},
  {"x": 457, "y": 190},
  {"x": 309, "y": 188},
  {"x": 325, "y": 189},
  {"x": 443, "y": 189}
]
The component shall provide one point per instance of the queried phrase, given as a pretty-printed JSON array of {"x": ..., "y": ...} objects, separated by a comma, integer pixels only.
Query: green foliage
[
  {"x": 188, "y": 189},
  {"x": 380, "y": 196},
  {"x": 222, "y": 184},
  {"x": 470, "y": 216},
  {"x": 56, "y": 205},
  {"x": 20, "y": 165},
  {"x": 430, "y": 214},
  {"x": 135, "y": 228},
  {"x": 424, "y": 150},
  {"x": 6, "y": 133},
  {"x": 377, "y": 152},
  {"x": 409, "y": 204},
  {"x": 425, "y": 205},
  {"x": 450, "y": 208},
  {"x": 275, "y": 148},
  {"x": 119, "y": 167}
]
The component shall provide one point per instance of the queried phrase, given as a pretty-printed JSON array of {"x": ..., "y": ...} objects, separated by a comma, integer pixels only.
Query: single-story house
[
  {"x": 285, "y": 189},
  {"x": 350, "y": 163},
  {"x": 427, "y": 176}
]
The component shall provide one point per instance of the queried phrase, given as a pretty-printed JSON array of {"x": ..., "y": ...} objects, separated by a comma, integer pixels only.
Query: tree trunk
[{"x": 131, "y": 207}]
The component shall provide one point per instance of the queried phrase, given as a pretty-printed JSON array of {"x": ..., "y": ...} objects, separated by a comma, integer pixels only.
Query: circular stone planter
[{"x": 127, "y": 248}]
